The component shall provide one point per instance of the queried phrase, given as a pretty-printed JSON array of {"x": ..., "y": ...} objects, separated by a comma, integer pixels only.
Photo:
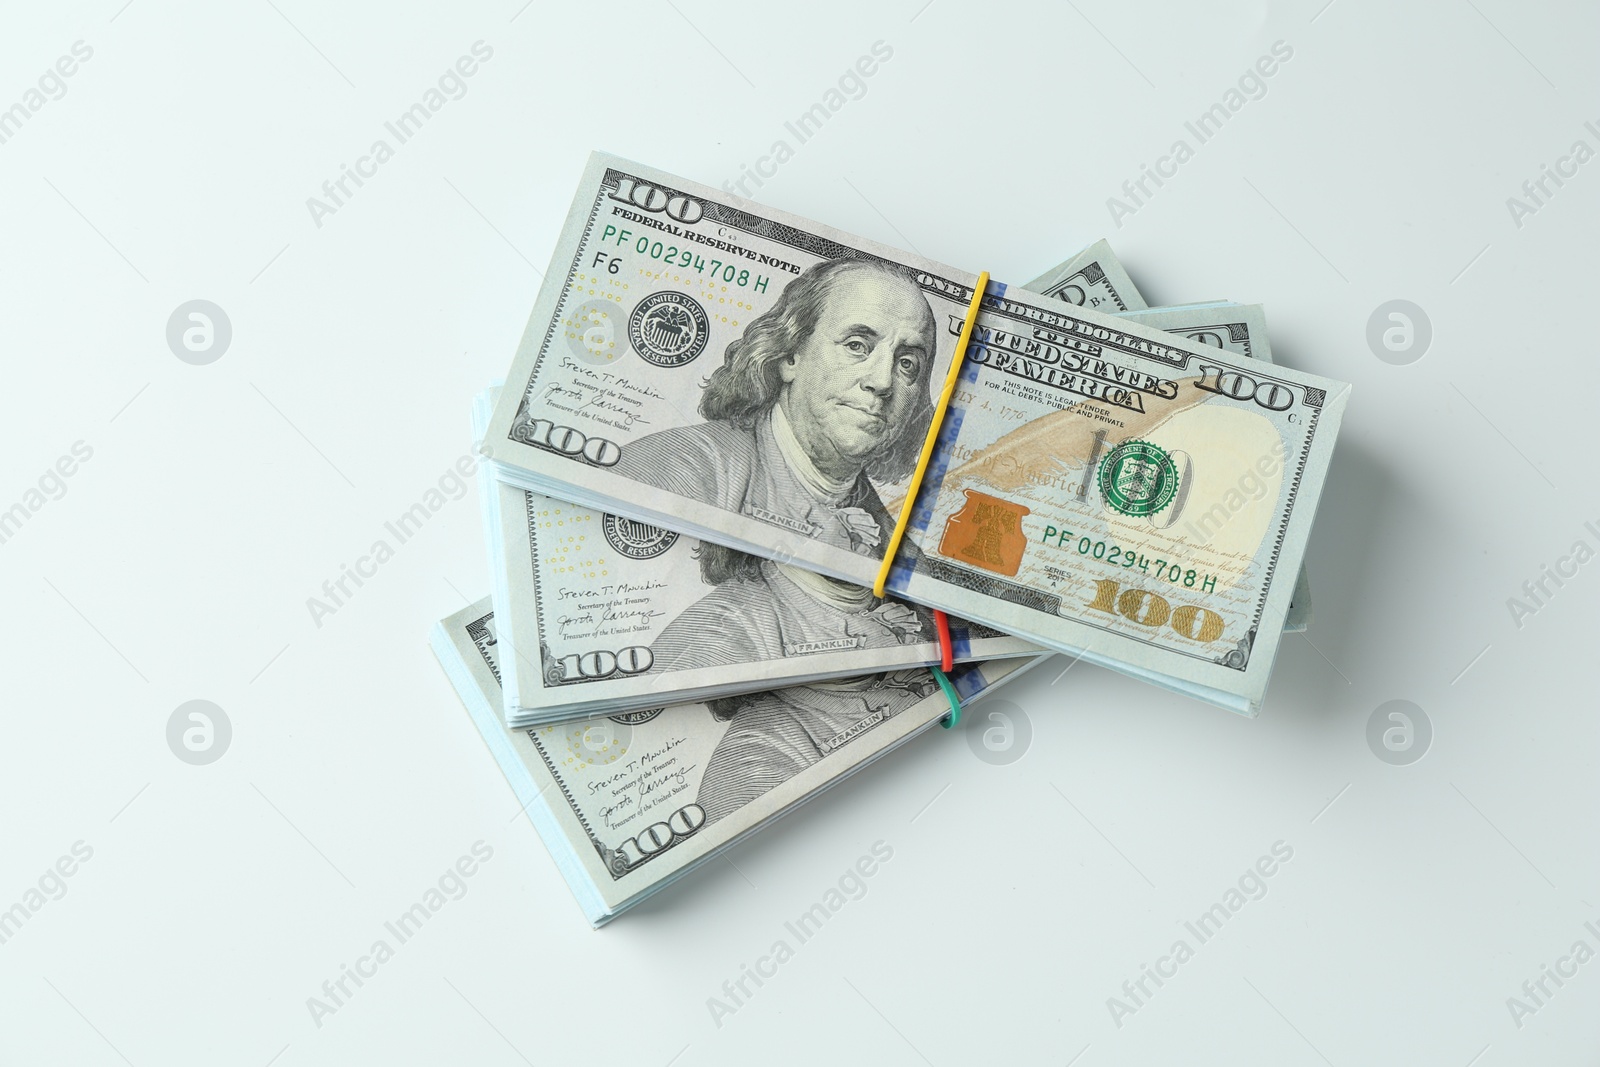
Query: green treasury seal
[{"x": 1137, "y": 478}]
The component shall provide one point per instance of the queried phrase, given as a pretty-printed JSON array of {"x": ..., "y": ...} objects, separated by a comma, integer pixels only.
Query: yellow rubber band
[{"x": 939, "y": 408}]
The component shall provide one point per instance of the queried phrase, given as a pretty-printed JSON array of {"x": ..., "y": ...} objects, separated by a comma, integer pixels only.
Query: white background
[{"x": 1020, "y": 897}]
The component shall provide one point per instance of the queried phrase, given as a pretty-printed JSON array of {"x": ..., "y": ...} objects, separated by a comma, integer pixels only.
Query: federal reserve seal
[
  {"x": 1138, "y": 478},
  {"x": 668, "y": 329},
  {"x": 636, "y": 540},
  {"x": 636, "y": 718}
]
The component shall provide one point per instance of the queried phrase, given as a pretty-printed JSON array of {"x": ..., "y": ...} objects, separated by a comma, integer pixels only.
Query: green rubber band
[{"x": 943, "y": 679}]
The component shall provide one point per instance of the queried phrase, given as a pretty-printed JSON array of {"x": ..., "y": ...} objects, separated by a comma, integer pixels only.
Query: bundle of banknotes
[{"x": 694, "y": 472}]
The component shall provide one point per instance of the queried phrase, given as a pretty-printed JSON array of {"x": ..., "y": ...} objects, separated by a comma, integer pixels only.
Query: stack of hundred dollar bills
[{"x": 695, "y": 467}]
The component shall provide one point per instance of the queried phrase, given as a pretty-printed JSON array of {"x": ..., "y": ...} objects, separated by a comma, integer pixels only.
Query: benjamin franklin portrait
[
  {"x": 776, "y": 735},
  {"x": 823, "y": 395}
]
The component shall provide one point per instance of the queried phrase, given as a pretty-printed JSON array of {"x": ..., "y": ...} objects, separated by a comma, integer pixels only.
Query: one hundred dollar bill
[
  {"x": 797, "y": 438},
  {"x": 598, "y": 612},
  {"x": 629, "y": 803}
]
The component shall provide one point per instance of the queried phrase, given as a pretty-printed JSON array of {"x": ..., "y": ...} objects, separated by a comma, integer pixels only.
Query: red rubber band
[{"x": 946, "y": 653}]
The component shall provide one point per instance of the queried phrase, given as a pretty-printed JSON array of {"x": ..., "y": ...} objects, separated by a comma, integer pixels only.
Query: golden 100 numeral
[{"x": 1152, "y": 610}]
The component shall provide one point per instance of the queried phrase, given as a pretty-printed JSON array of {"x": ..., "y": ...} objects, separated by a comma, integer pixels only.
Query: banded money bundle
[
  {"x": 1138, "y": 498},
  {"x": 714, "y": 421}
]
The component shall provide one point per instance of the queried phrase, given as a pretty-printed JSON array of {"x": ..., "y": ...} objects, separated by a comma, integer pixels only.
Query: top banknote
[{"x": 707, "y": 364}]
